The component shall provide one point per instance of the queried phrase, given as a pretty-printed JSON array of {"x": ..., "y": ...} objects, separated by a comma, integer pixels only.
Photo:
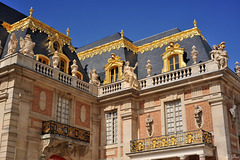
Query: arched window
[
  {"x": 173, "y": 58},
  {"x": 114, "y": 74},
  {"x": 113, "y": 69},
  {"x": 79, "y": 75},
  {"x": 43, "y": 59},
  {"x": 173, "y": 63},
  {"x": 63, "y": 64}
]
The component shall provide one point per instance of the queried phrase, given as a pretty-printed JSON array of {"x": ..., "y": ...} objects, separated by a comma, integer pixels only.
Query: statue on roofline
[
  {"x": 219, "y": 55},
  {"x": 94, "y": 78},
  {"x": 27, "y": 46},
  {"x": 149, "y": 68},
  {"x": 12, "y": 44},
  {"x": 130, "y": 77}
]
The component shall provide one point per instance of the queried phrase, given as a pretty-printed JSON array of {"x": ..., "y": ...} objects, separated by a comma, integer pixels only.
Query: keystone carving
[
  {"x": 219, "y": 55},
  {"x": 27, "y": 46},
  {"x": 149, "y": 126}
]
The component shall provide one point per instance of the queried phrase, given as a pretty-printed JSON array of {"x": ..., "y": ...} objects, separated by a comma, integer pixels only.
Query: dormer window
[
  {"x": 113, "y": 69},
  {"x": 173, "y": 58},
  {"x": 43, "y": 59}
]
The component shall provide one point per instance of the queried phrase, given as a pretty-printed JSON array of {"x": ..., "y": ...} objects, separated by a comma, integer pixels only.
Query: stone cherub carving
[
  {"x": 74, "y": 68},
  {"x": 149, "y": 125},
  {"x": 55, "y": 59},
  {"x": 130, "y": 77},
  {"x": 12, "y": 45},
  {"x": 198, "y": 113},
  {"x": 233, "y": 114},
  {"x": 27, "y": 46},
  {"x": 237, "y": 69},
  {"x": 194, "y": 54},
  {"x": 149, "y": 68},
  {"x": 94, "y": 78},
  {"x": 219, "y": 55}
]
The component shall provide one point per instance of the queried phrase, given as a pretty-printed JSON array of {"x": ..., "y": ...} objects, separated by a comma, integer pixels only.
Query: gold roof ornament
[
  {"x": 31, "y": 11},
  {"x": 195, "y": 23},
  {"x": 122, "y": 33},
  {"x": 68, "y": 31}
]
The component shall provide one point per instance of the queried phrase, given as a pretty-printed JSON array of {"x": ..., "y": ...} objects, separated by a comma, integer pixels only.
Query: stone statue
[
  {"x": 237, "y": 69},
  {"x": 198, "y": 113},
  {"x": 219, "y": 55},
  {"x": 194, "y": 54},
  {"x": 74, "y": 68},
  {"x": 130, "y": 77},
  {"x": 149, "y": 125},
  {"x": 233, "y": 113},
  {"x": 149, "y": 68},
  {"x": 55, "y": 59},
  {"x": 27, "y": 46},
  {"x": 94, "y": 78},
  {"x": 12, "y": 45},
  {"x": 1, "y": 48}
]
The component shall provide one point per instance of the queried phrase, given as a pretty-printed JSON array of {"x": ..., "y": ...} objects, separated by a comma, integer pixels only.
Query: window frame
[
  {"x": 41, "y": 56},
  {"x": 113, "y": 120},
  {"x": 64, "y": 111}
]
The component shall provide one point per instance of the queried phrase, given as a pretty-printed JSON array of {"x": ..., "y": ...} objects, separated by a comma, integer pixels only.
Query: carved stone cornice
[
  {"x": 34, "y": 25},
  {"x": 122, "y": 43}
]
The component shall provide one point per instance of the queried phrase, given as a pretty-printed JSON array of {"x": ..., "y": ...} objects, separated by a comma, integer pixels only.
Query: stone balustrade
[{"x": 49, "y": 71}]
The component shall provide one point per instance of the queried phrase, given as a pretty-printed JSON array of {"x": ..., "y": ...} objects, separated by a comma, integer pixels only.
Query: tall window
[
  {"x": 114, "y": 74},
  {"x": 111, "y": 127},
  {"x": 173, "y": 63},
  {"x": 63, "y": 110},
  {"x": 174, "y": 117}
]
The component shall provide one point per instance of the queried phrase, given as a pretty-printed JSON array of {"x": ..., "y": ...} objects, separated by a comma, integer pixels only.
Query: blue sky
[{"x": 91, "y": 20}]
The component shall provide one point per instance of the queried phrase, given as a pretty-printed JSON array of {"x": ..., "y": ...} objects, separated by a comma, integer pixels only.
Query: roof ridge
[{"x": 156, "y": 34}]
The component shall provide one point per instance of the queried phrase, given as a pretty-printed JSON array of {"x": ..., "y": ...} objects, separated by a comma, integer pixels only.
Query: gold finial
[
  {"x": 195, "y": 23},
  {"x": 31, "y": 11},
  {"x": 122, "y": 33},
  {"x": 67, "y": 31}
]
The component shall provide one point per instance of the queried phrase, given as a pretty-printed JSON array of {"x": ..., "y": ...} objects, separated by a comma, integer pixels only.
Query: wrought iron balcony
[
  {"x": 171, "y": 141},
  {"x": 52, "y": 127}
]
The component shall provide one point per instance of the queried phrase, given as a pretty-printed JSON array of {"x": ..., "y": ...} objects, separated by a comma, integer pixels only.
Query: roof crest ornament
[
  {"x": 195, "y": 23},
  {"x": 31, "y": 11},
  {"x": 68, "y": 31},
  {"x": 122, "y": 33}
]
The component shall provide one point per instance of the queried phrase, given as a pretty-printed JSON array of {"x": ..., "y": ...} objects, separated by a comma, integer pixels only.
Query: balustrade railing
[
  {"x": 170, "y": 141},
  {"x": 113, "y": 87},
  {"x": 52, "y": 127}
]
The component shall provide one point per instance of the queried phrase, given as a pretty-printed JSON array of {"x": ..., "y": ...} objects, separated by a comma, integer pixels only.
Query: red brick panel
[
  {"x": 156, "y": 122},
  {"x": 78, "y": 115},
  {"x": 205, "y": 90},
  {"x": 36, "y": 97},
  {"x": 187, "y": 94},
  {"x": 207, "y": 116}
]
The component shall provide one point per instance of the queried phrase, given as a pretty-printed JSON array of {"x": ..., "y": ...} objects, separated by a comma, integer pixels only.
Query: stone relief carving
[
  {"x": 64, "y": 148},
  {"x": 94, "y": 78},
  {"x": 130, "y": 78},
  {"x": 198, "y": 115},
  {"x": 149, "y": 68},
  {"x": 237, "y": 69},
  {"x": 55, "y": 59},
  {"x": 149, "y": 126},
  {"x": 233, "y": 114},
  {"x": 27, "y": 46},
  {"x": 194, "y": 54},
  {"x": 74, "y": 68},
  {"x": 219, "y": 55},
  {"x": 12, "y": 44}
]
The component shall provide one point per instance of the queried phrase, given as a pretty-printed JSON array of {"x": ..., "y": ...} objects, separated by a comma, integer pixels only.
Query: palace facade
[{"x": 166, "y": 97}]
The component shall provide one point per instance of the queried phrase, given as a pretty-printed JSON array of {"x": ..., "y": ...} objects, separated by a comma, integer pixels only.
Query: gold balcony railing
[
  {"x": 52, "y": 127},
  {"x": 171, "y": 141}
]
